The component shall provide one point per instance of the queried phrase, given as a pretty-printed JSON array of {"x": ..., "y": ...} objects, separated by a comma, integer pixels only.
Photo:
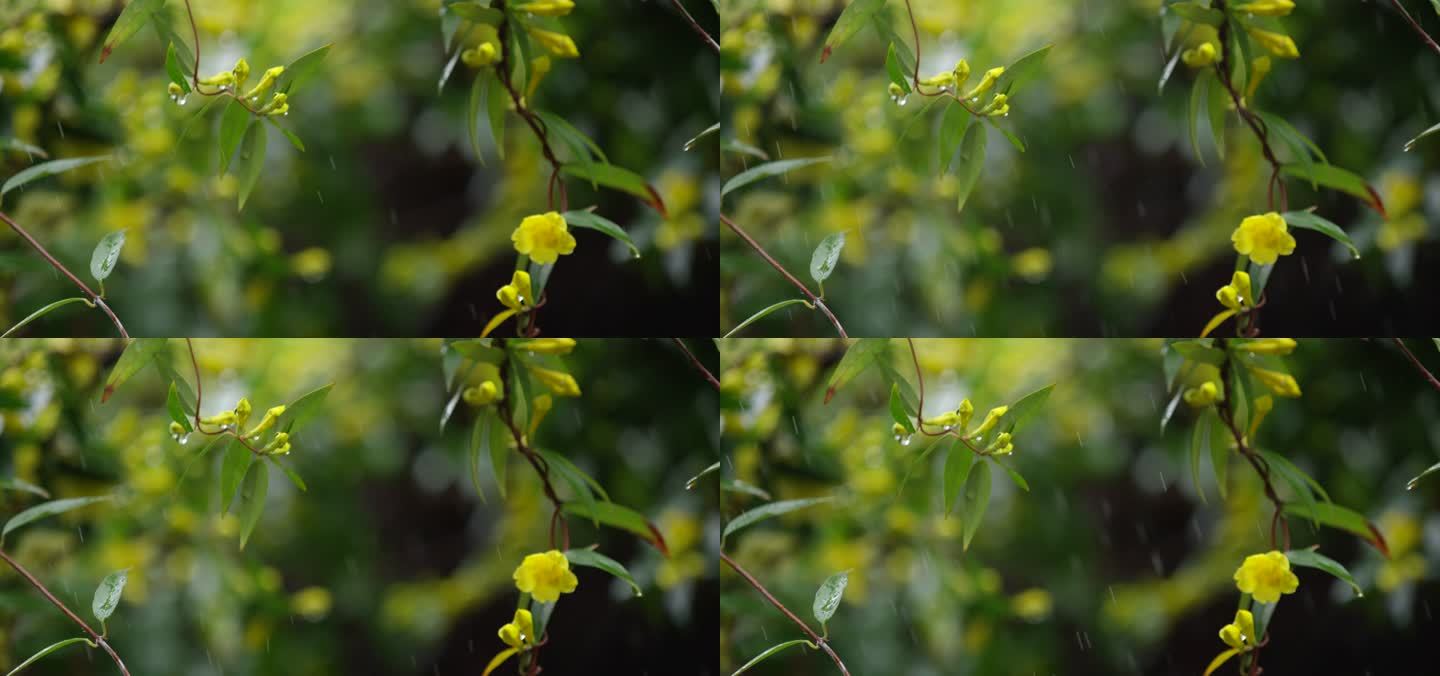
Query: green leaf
[
  {"x": 1336, "y": 178},
  {"x": 972, "y": 160},
  {"x": 690, "y": 485},
  {"x": 707, "y": 132},
  {"x": 1300, "y": 145},
  {"x": 50, "y": 649},
  {"x": 770, "y": 510},
  {"x": 495, "y": 100},
  {"x": 851, "y": 20},
  {"x": 898, "y": 412},
  {"x": 289, "y": 135},
  {"x": 1009, "y": 135},
  {"x": 1309, "y": 221},
  {"x": 303, "y": 409},
  {"x": 232, "y": 472},
  {"x": 953, "y": 124},
  {"x": 290, "y": 474},
  {"x": 177, "y": 409},
  {"x": 138, "y": 354},
  {"x": 769, "y": 310},
  {"x": 1015, "y": 476},
  {"x": 477, "y": 12},
  {"x": 582, "y": 485},
  {"x": 1309, "y": 558},
  {"x": 582, "y": 147},
  {"x": 51, "y": 168},
  {"x": 252, "y": 500},
  {"x": 252, "y": 153},
  {"x": 593, "y": 559},
  {"x": 45, "y": 311},
  {"x": 1201, "y": 350},
  {"x": 479, "y": 447},
  {"x": 1192, "y": 116},
  {"x": 616, "y": 178},
  {"x": 738, "y": 486},
  {"x": 822, "y": 262},
  {"x": 1195, "y": 13},
  {"x": 1199, "y": 441},
  {"x": 827, "y": 597},
  {"x": 478, "y": 89},
  {"x": 130, "y": 21},
  {"x": 446, "y": 72},
  {"x": 977, "y": 498},
  {"x": 499, "y": 452},
  {"x": 1410, "y": 145},
  {"x": 233, "y": 123},
  {"x": 1020, "y": 412},
  {"x": 958, "y": 464},
  {"x": 1410, "y": 485},
  {"x": 163, "y": 21},
  {"x": 860, "y": 355},
  {"x": 618, "y": 516},
  {"x": 106, "y": 255},
  {"x": 741, "y": 148},
  {"x": 896, "y": 73},
  {"x": 8, "y": 143},
  {"x": 1022, "y": 71},
  {"x": 1219, "y": 454},
  {"x": 14, "y": 484},
  {"x": 767, "y": 170},
  {"x": 174, "y": 70},
  {"x": 48, "y": 509},
  {"x": 107, "y": 595},
  {"x": 769, "y": 652},
  {"x": 301, "y": 69},
  {"x": 1216, "y": 100},
  {"x": 1300, "y": 483},
  {"x": 1341, "y": 518},
  {"x": 593, "y": 221}
]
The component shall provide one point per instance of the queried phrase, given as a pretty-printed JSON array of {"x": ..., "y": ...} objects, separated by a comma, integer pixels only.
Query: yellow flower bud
[
  {"x": 942, "y": 80},
  {"x": 242, "y": 412},
  {"x": 1203, "y": 55},
  {"x": 558, "y": 44},
  {"x": 1259, "y": 68},
  {"x": 223, "y": 80},
  {"x": 547, "y": 7},
  {"x": 1267, "y": 7},
  {"x": 539, "y": 407},
  {"x": 484, "y": 394},
  {"x": 1278, "y": 44},
  {"x": 266, "y": 422},
  {"x": 548, "y": 345},
  {"x": 559, "y": 382},
  {"x": 240, "y": 73},
  {"x": 539, "y": 68},
  {"x": 175, "y": 91},
  {"x": 1282, "y": 384},
  {"x": 1263, "y": 406},
  {"x": 990, "y": 420},
  {"x": 280, "y": 445},
  {"x": 223, "y": 419},
  {"x": 266, "y": 81},
  {"x": 481, "y": 55},
  {"x": 1204, "y": 395},
  {"x": 966, "y": 410},
  {"x": 176, "y": 429},
  {"x": 961, "y": 73},
  {"x": 986, "y": 82},
  {"x": 1272, "y": 346}
]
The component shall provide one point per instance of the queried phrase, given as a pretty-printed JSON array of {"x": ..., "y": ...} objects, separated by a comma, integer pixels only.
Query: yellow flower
[
  {"x": 1204, "y": 395},
  {"x": 1267, "y": 7},
  {"x": 1282, "y": 384},
  {"x": 520, "y": 633},
  {"x": 1235, "y": 296},
  {"x": 562, "y": 384},
  {"x": 1239, "y": 634},
  {"x": 990, "y": 419},
  {"x": 549, "y": 345},
  {"x": 1001, "y": 445},
  {"x": 1263, "y": 238},
  {"x": 516, "y": 296},
  {"x": 1278, "y": 44},
  {"x": 539, "y": 68},
  {"x": 481, "y": 55},
  {"x": 539, "y": 408},
  {"x": 547, "y": 7},
  {"x": 1272, "y": 346},
  {"x": 558, "y": 44},
  {"x": 1203, "y": 55},
  {"x": 544, "y": 238},
  {"x": 1259, "y": 68},
  {"x": 1266, "y": 576},
  {"x": 1263, "y": 406},
  {"x": 545, "y": 576},
  {"x": 483, "y": 394}
]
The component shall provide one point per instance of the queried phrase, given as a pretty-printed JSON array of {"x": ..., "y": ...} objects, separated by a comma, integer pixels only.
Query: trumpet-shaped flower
[
  {"x": 1240, "y": 634},
  {"x": 545, "y": 576},
  {"x": 1205, "y": 395},
  {"x": 1266, "y": 576},
  {"x": 520, "y": 632},
  {"x": 559, "y": 382},
  {"x": 266, "y": 422},
  {"x": 543, "y": 237},
  {"x": 515, "y": 296},
  {"x": 1201, "y": 55},
  {"x": 1277, "y": 44},
  {"x": 1264, "y": 238}
]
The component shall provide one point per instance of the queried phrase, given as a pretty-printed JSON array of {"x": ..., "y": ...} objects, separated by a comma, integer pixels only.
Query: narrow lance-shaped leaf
[
  {"x": 1021, "y": 72},
  {"x": 770, "y": 510},
  {"x": 233, "y": 469},
  {"x": 621, "y": 517},
  {"x": 1342, "y": 518},
  {"x": 301, "y": 69},
  {"x": 851, "y": 20},
  {"x": 14, "y": 484},
  {"x": 972, "y": 161},
  {"x": 130, "y": 21},
  {"x": 617, "y": 178},
  {"x": 177, "y": 410},
  {"x": 233, "y": 123},
  {"x": 768, "y": 311},
  {"x": 1336, "y": 178},
  {"x": 1309, "y": 221},
  {"x": 252, "y": 152},
  {"x": 896, "y": 71},
  {"x": 860, "y": 355},
  {"x": 1309, "y": 558},
  {"x": 771, "y": 652},
  {"x": 44, "y": 311},
  {"x": 898, "y": 412},
  {"x": 303, "y": 409},
  {"x": 495, "y": 102},
  {"x": 592, "y": 221},
  {"x": 138, "y": 354},
  {"x": 252, "y": 500},
  {"x": 50, "y": 168},
  {"x": 50, "y": 649},
  {"x": 977, "y": 498},
  {"x": 767, "y": 170},
  {"x": 593, "y": 559},
  {"x": 46, "y": 510},
  {"x": 958, "y": 464},
  {"x": 690, "y": 485}
]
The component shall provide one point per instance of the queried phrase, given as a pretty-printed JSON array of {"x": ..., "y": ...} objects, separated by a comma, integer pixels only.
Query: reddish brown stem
[
  {"x": 95, "y": 298},
  {"x": 95, "y": 638},
  {"x": 1416, "y": 25},
  {"x": 814, "y": 637},
  {"x": 1429, "y": 377},
  {"x": 814, "y": 300},
  {"x": 694, "y": 361},
  {"x": 696, "y": 26},
  {"x": 199, "y": 395}
]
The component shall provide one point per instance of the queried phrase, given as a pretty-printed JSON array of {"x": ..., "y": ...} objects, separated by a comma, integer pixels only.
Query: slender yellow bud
[
  {"x": 481, "y": 55},
  {"x": 986, "y": 82},
  {"x": 547, "y": 7},
  {"x": 991, "y": 419},
  {"x": 484, "y": 394},
  {"x": 966, "y": 410},
  {"x": 549, "y": 345},
  {"x": 1267, "y": 7},
  {"x": 558, "y": 44},
  {"x": 1277, "y": 44},
  {"x": 266, "y": 422},
  {"x": 242, "y": 412},
  {"x": 266, "y": 81}
]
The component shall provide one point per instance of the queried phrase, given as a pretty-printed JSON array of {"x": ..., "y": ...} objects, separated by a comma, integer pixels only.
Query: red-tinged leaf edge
[
  {"x": 1379, "y": 541},
  {"x": 659, "y": 540},
  {"x": 825, "y": 54},
  {"x": 1379, "y": 206},
  {"x": 829, "y": 393},
  {"x": 656, "y": 202},
  {"x": 105, "y": 52},
  {"x": 105, "y": 396}
]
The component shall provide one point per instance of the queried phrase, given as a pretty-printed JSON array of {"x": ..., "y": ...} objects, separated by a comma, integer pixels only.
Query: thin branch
[
  {"x": 1429, "y": 377},
  {"x": 814, "y": 300},
  {"x": 696, "y": 25},
  {"x": 696, "y": 363},
  {"x": 96, "y": 638},
  {"x": 542, "y": 468},
  {"x": 1416, "y": 25},
  {"x": 195, "y": 74},
  {"x": 1279, "y": 524},
  {"x": 814, "y": 637},
  {"x": 199, "y": 395},
  {"x": 95, "y": 298}
]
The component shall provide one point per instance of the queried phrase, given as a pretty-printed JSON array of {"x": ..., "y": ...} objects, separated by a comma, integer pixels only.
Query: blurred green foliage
[
  {"x": 1112, "y": 562},
  {"x": 1107, "y": 224},
  {"x": 390, "y": 563},
  {"x": 387, "y": 224}
]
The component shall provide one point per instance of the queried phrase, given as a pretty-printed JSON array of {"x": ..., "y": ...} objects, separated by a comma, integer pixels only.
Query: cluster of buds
[
  {"x": 958, "y": 422},
  {"x": 951, "y": 81},
  {"x": 234, "y": 81},
  {"x": 235, "y": 419}
]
